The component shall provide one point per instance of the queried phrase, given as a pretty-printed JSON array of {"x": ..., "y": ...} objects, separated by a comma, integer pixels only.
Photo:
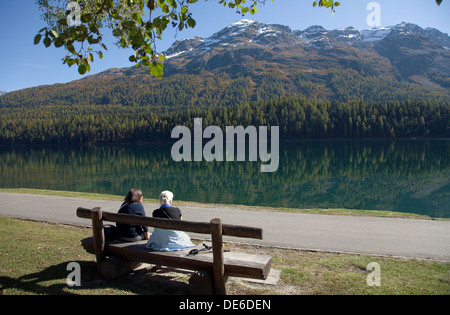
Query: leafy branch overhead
[
  {"x": 327, "y": 4},
  {"x": 137, "y": 24},
  {"x": 77, "y": 26}
]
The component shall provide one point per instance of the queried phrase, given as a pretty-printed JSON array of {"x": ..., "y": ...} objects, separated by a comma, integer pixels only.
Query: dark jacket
[
  {"x": 167, "y": 212},
  {"x": 127, "y": 230}
]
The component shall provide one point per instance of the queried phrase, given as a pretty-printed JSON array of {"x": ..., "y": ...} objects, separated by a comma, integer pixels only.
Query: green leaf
[
  {"x": 37, "y": 39},
  {"x": 59, "y": 42},
  {"x": 117, "y": 32},
  {"x": 93, "y": 28},
  {"x": 156, "y": 69},
  {"x": 62, "y": 22},
  {"x": 85, "y": 18},
  {"x": 172, "y": 3},
  {"x": 137, "y": 17},
  {"x": 82, "y": 69},
  {"x": 47, "y": 42},
  {"x": 123, "y": 42},
  {"x": 151, "y": 5},
  {"x": 71, "y": 62},
  {"x": 191, "y": 22},
  {"x": 71, "y": 48}
]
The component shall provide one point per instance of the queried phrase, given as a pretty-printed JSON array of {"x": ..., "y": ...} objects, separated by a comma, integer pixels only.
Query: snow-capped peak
[
  {"x": 243, "y": 22},
  {"x": 246, "y": 31},
  {"x": 375, "y": 34}
]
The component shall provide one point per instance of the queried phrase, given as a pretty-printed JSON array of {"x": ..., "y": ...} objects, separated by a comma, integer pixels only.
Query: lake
[{"x": 401, "y": 175}]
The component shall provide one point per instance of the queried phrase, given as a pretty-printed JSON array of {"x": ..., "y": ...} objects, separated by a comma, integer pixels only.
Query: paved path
[{"x": 379, "y": 236}]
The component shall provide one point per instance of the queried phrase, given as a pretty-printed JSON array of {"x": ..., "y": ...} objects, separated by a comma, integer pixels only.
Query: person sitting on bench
[
  {"x": 132, "y": 205},
  {"x": 168, "y": 240}
]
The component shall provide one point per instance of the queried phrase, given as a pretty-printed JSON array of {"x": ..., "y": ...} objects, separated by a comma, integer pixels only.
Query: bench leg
[
  {"x": 202, "y": 283},
  {"x": 114, "y": 267},
  {"x": 99, "y": 236},
  {"x": 218, "y": 261}
]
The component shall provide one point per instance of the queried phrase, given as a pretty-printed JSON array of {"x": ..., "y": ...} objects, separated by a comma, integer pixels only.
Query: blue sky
[{"x": 24, "y": 65}]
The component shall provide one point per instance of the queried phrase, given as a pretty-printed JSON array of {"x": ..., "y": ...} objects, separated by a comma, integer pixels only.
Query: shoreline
[
  {"x": 171, "y": 141},
  {"x": 318, "y": 211}
]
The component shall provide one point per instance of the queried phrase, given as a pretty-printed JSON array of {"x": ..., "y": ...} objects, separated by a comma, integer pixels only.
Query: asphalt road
[{"x": 412, "y": 238}]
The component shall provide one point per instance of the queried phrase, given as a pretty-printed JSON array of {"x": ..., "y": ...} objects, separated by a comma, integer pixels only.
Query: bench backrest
[{"x": 187, "y": 226}]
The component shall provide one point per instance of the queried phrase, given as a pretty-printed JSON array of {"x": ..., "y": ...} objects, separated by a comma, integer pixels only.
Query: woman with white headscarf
[{"x": 168, "y": 240}]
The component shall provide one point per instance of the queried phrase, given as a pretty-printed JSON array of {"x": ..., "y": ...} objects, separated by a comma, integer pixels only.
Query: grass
[
  {"x": 34, "y": 258},
  {"x": 332, "y": 211},
  {"x": 62, "y": 193}
]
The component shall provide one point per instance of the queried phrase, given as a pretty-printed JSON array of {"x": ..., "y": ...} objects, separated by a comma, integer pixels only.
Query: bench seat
[{"x": 235, "y": 264}]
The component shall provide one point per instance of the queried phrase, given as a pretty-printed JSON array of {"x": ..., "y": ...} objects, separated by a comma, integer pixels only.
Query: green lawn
[{"x": 34, "y": 258}]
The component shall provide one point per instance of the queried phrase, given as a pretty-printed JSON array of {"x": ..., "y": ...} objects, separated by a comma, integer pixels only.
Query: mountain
[
  {"x": 250, "y": 61},
  {"x": 398, "y": 52},
  {"x": 2, "y": 92}
]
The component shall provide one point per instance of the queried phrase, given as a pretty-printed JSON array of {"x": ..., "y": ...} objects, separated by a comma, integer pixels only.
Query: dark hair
[{"x": 134, "y": 195}]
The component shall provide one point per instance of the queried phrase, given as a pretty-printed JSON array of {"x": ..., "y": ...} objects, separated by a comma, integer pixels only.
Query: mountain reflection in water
[{"x": 402, "y": 175}]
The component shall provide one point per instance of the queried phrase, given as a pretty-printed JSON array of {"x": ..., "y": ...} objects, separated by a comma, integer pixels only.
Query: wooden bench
[{"x": 212, "y": 269}]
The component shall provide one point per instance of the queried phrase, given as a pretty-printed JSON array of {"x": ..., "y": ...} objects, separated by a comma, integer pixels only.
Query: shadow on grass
[{"x": 53, "y": 281}]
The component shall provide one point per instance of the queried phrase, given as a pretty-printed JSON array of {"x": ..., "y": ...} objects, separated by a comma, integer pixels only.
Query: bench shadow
[
  {"x": 155, "y": 281},
  {"x": 143, "y": 281},
  {"x": 35, "y": 283}
]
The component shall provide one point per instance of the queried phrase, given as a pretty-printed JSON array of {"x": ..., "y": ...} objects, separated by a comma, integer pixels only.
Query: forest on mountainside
[
  {"x": 297, "y": 117},
  {"x": 182, "y": 91}
]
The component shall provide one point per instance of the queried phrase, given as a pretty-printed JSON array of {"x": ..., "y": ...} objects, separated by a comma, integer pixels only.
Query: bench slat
[
  {"x": 187, "y": 226},
  {"x": 235, "y": 264}
]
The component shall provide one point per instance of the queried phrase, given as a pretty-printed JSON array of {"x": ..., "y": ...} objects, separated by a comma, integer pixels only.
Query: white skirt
[{"x": 168, "y": 240}]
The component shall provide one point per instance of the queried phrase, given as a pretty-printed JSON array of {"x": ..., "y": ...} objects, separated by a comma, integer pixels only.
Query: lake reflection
[{"x": 404, "y": 176}]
